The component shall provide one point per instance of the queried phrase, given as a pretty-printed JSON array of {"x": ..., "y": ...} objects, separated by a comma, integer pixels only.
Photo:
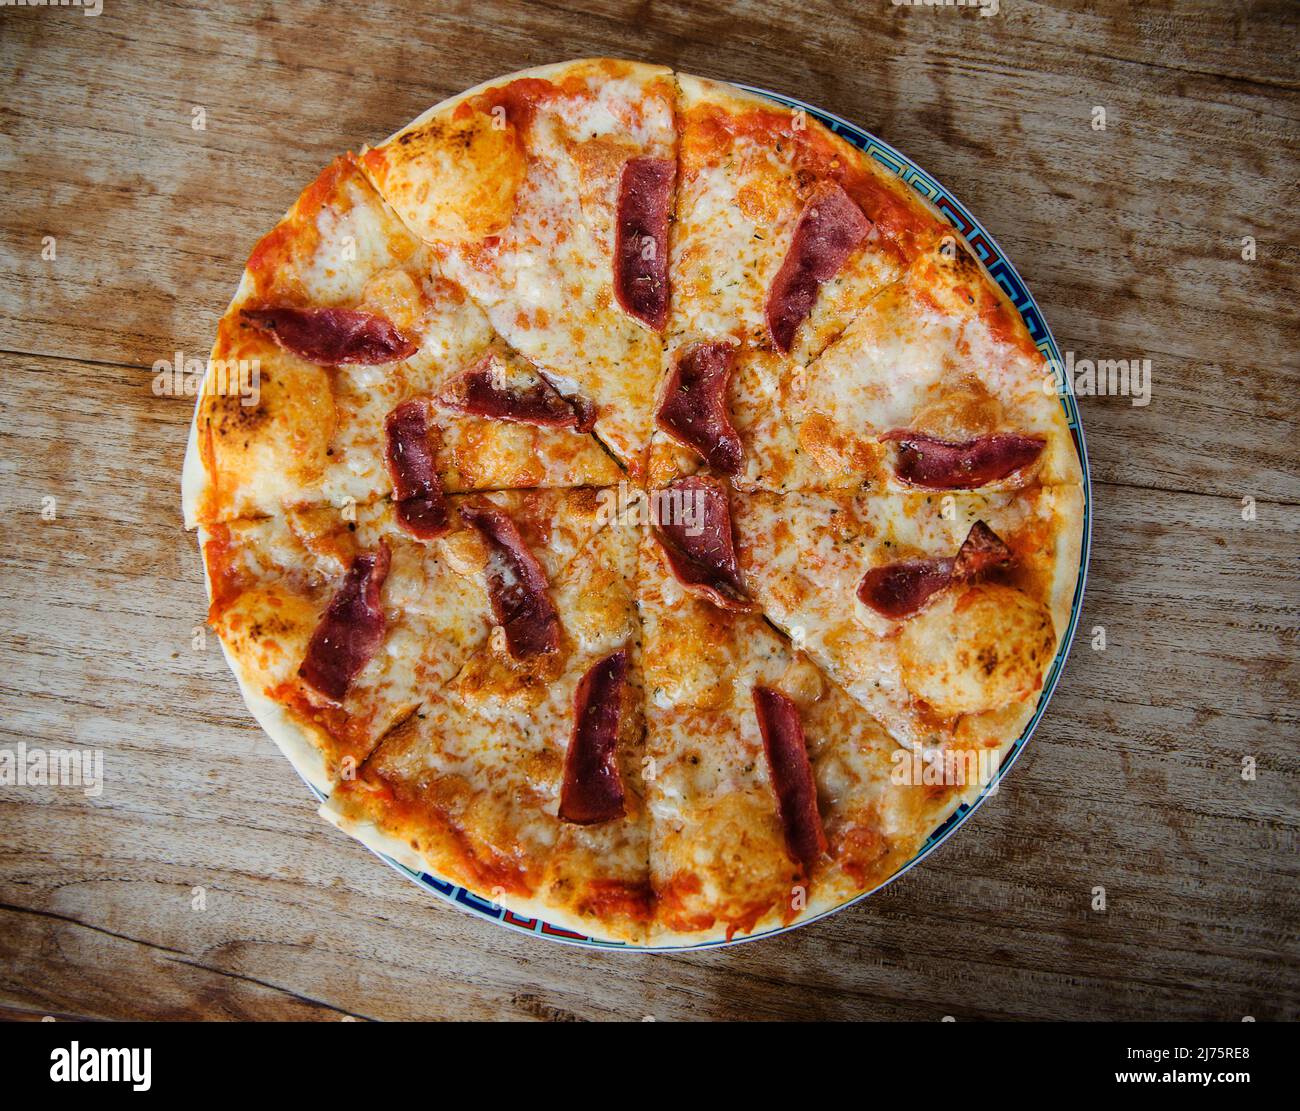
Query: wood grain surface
[{"x": 200, "y": 883}]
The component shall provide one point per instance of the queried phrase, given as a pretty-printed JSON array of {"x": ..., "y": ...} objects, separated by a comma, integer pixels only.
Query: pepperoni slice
[
  {"x": 516, "y": 585},
  {"x": 593, "y": 788},
  {"x": 493, "y": 389},
  {"x": 828, "y": 231},
  {"x": 645, "y": 193},
  {"x": 417, "y": 492},
  {"x": 351, "y": 630},
  {"x": 899, "y": 590},
  {"x": 334, "y": 337},
  {"x": 694, "y": 409},
  {"x": 693, "y": 527},
  {"x": 944, "y": 465},
  {"x": 787, "y": 757}
]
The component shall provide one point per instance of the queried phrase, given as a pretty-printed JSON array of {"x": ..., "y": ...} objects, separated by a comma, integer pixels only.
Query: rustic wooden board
[{"x": 1131, "y": 238}]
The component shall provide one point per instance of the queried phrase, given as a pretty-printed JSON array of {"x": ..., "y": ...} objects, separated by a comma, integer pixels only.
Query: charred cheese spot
[
  {"x": 957, "y": 261},
  {"x": 692, "y": 667},
  {"x": 763, "y": 200},
  {"x": 268, "y": 443},
  {"x": 452, "y": 179},
  {"x": 326, "y": 535},
  {"x": 497, "y": 453},
  {"x": 602, "y": 611},
  {"x": 466, "y": 552},
  {"x": 790, "y": 592},
  {"x": 835, "y": 450},
  {"x": 729, "y": 864},
  {"x": 977, "y": 649},
  {"x": 600, "y": 163},
  {"x": 230, "y": 419},
  {"x": 859, "y": 847}
]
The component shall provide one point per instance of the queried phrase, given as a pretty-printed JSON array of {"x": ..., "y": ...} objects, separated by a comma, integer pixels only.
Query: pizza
[{"x": 625, "y": 499}]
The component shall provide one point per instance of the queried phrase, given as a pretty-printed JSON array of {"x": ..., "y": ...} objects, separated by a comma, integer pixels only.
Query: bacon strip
[
  {"x": 593, "y": 788},
  {"x": 516, "y": 585},
  {"x": 943, "y": 465},
  {"x": 694, "y": 409},
  {"x": 645, "y": 192},
  {"x": 787, "y": 756},
  {"x": 334, "y": 337},
  {"x": 420, "y": 505},
  {"x": 829, "y": 230},
  {"x": 693, "y": 527},
  {"x": 351, "y": 630},
  {"x": 491, "y": 389},
  {"x": 898, "y": 590}
]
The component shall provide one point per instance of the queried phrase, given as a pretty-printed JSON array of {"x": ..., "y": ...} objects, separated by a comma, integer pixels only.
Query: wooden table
[{"x": 1132, "y": 239}]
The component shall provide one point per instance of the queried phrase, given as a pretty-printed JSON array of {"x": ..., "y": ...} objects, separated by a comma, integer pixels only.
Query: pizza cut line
[{"x": 641, "y": 484}]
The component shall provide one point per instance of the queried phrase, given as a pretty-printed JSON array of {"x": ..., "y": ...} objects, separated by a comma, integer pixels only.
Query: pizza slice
[
  {"x": 773, "y": 795},
  {"x": 877, "y": 803},
  {"x": 521, "y": 779},
  {"x": 340, "y": 318},
  {"x": 339, "y": 624},
  {"x": 935, "y": 385},
  {"x": 939, "y": 614},
  {"x": 783, "y": 232},
  {"x": 719, "y": 859},
  {"x": 547, "y": 196}
]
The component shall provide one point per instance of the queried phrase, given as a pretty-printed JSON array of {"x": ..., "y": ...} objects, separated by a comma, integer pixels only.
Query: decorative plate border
[{"x": 986, "y": 247}]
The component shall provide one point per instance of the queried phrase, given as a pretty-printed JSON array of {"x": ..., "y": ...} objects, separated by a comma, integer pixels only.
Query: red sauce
[
  {"x": 618, "y": 899},
  {"x": 218, "y": 555}
]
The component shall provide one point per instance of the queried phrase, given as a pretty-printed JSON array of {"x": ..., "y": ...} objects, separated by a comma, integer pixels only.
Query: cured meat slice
[
  {"x": 641, "y": 239},
  {"x": 593, "y": 788},
  {"x": 829, "y": 229},
  {"x": 352, "y": 628},
  {"x": 334, "y": 337}
]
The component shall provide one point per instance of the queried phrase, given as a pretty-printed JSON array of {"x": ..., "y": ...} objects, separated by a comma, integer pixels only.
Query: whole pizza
[{"x": 646, "y": 501}]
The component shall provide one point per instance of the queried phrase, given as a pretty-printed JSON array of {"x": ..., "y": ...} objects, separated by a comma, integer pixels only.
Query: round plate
[{"x": 986, "y": 248}]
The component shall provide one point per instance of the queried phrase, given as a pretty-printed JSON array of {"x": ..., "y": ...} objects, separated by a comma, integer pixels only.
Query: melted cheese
[
  {"x": 545, "y": 278},
  {"x": 977, "y": 649},
  {"x": 474, "y": 779},
  {"x": 803, "y": 556},
  {"x": 935, "y": 352}
]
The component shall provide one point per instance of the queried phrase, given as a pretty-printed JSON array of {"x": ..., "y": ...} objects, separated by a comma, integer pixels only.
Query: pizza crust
[{"x": 386, "y": 845}]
